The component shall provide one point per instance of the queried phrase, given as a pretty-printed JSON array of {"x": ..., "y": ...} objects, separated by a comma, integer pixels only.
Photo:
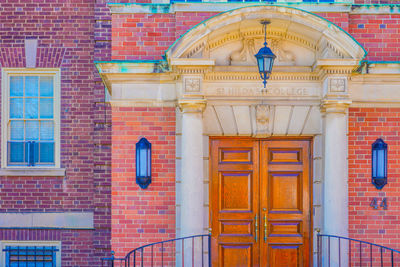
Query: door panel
[
  {"x": 285, "y": 203},
  {"x": 235, "y": 202},
  {"x": 260, "y": 202},
  {"x": 285, "y": 256},
  {"x": 236, "y": 255}
]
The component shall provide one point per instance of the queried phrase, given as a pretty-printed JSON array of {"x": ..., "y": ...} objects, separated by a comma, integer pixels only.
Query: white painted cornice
[{"x": 221, "y": 6}]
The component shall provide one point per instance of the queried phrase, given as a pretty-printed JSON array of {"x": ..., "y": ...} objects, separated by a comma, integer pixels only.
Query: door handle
[
  {"x": 256, "y": 227},
  {"x": 265, "y": 228}
]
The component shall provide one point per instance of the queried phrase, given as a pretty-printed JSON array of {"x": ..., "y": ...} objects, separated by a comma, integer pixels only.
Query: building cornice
[{"x": 343, "y": 7}]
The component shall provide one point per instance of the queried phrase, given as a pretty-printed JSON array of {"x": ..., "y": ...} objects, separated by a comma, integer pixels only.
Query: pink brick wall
[
  {"x": 141, "y": 216},
  {"x": 376, "y": 226}
]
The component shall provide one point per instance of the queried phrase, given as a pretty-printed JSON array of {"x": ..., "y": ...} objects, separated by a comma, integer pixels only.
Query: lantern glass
[
  {"x": 265, "y": 60},
  {"x": 143, "y": 163},
  {"x": 379, "y": 163},
  {"x": 260, "y": 62},
  {"x": 268, "y": 61}
]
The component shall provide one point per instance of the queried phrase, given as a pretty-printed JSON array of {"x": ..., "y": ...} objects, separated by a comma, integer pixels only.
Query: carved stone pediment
[
  {"x": 244, "y": 56},
  {"x": 239, "y": 50}
]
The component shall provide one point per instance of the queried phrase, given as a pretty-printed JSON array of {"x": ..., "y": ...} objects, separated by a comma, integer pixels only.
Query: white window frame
[
  {"x": 6, "y": 73},
  {"x": 5, "y": 243}
]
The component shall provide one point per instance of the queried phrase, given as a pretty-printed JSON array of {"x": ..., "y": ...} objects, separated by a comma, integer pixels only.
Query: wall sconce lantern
[
  {"x": 265, "y": 57},
  {"x": 379, "y": 163},
  {"x": 143, "y": 163}
]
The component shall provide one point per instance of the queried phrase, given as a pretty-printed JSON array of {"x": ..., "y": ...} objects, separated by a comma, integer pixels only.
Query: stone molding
[
  {"x": 192, "y": 105},
  {"x": 62, "y": 220},
  {"x": 335, "y": 105},
  {"x": 29, "y": 171},
  {"x": 273, "y": 34},
  {"x": 275, "y": 76}
]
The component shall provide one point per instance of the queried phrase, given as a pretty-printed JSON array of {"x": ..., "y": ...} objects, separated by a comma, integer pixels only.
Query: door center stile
[{"x": 260, "y": 202}]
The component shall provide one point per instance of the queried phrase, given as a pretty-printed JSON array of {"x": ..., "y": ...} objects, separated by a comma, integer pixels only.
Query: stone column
[
  {"x": 192, "y": 187},
  {"x": 335, "y": 198}
]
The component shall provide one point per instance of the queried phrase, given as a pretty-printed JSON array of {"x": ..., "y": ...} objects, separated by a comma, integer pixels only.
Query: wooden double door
[{"x": 260, "y": 202}]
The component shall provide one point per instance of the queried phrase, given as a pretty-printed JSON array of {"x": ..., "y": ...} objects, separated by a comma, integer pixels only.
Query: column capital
[
  {"x": 192, "y": 105},
  {"x": 335, "y": 105}
]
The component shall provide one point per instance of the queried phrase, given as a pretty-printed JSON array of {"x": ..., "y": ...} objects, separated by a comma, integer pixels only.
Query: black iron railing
[
  {"x": 113, "y": 261},
  {"x": 340, "y": 251},
  {"x": 185, "y": 251}
]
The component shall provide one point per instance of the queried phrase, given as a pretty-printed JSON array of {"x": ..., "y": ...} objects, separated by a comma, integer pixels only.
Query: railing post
[
  {"x": 209, "y": 250},
  {"x": 318, "y": 250}
]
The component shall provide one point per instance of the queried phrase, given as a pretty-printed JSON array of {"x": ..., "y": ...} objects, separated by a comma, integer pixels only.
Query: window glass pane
[
  {"x": 32, "y": 130},
  {"x": 30, "y": 256},
  {"x": 31, "y": 108},
  {"x": 46, "y": 151},
  {"x": 16, "y": 152},
  {"x": 16, "y": 108},
  {"x": 46, "y": 108},
  {"x": 31, "y": 85},
  {"x": 35, "y": 148},
  {"x": 16, "y": 86},
  {"x": 46, "y": 130},
  {"x": 46, "y": 86},
  {"x": 17, "y": 130}
]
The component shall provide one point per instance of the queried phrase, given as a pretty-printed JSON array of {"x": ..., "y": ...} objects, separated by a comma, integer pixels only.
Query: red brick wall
[
  {"x": 148, "y": 36},
  {"x": 340, "y": 19},
  {"x": 76, "y": 245},
  {"x": 71, "y": 35},
  {"x": 376, "y": 226},
  {"x": 142, "y": 216},
  {"x": 378, "y": 34}
]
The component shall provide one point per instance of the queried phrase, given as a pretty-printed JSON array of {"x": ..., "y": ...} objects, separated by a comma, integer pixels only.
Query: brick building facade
[
  {"x": 182, "y": 75},
  {"x": 69, "y": 204}
]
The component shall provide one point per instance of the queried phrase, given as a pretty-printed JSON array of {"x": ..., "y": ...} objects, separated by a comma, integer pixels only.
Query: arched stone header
[{"x": 289, "y": 27}]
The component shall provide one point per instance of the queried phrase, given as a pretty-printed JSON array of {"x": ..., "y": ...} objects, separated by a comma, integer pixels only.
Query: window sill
[{"x": 32, "y": 172}]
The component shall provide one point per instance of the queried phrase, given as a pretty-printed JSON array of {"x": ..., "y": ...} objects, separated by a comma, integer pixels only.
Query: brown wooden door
[{"x": 260, "y": 202}]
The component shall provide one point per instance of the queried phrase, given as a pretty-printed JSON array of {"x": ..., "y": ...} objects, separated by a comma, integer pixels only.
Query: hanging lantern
[
  {"x": 265, "y": 57},
  {"x": 379, "y": 163},
  {"x": 143, "y": 163}
]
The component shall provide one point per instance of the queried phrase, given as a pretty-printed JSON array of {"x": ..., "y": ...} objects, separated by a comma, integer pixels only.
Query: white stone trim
[
  {"x": 32, "y": 172},
  {"x": 4, "y": 243},
  {"x": 159, "y": 6},
  {"x": 5, "y": 77},
  {"x": 162, "y": 6},
  {"x": 62, "y": 220},
  {"x": 30, "y": 52}
]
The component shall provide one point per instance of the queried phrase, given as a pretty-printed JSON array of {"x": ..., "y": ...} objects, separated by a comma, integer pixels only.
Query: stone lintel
[{"x": 62, "y": 220}]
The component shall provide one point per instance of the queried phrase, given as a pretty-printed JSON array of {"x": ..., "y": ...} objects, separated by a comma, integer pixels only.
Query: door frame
[{"x": 310, "y": 186}]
